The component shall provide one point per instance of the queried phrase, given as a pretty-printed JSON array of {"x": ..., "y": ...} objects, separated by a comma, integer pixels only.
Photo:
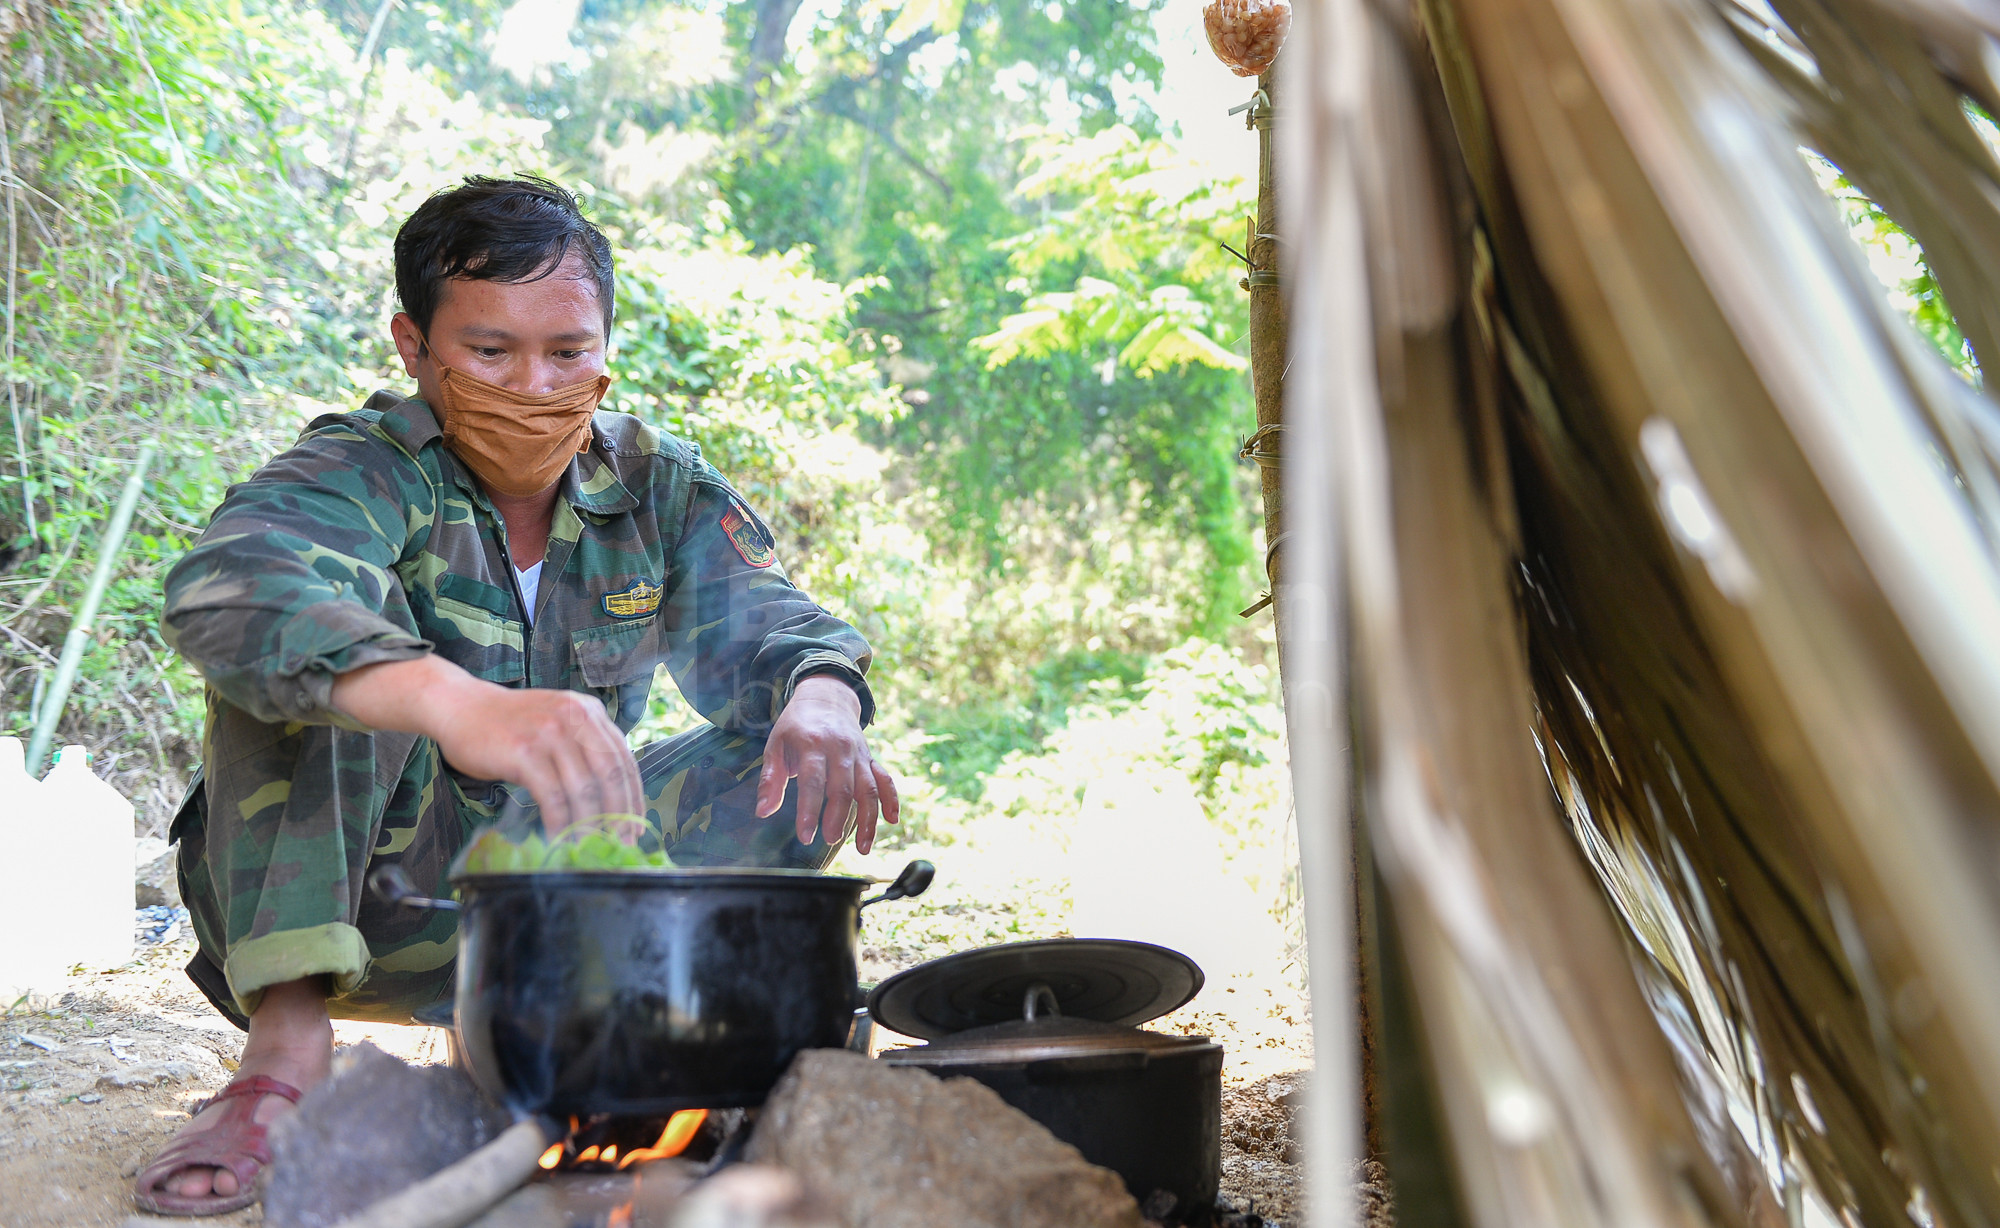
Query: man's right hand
[{"x": 560, "y": 745}]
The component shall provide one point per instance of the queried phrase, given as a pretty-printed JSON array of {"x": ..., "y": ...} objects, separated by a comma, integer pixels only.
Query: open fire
[
  {"x": 934, "y": 1151},
  {"x": 606, "y": 1144}
]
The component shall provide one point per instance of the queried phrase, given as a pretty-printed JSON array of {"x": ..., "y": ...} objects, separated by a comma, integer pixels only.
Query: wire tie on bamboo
[
  {"x": 1270, "y": 571},
  {"x": 1265, "y": 446},
  {"x": 1259, "y": 108},
  {"x": 1271, "y": 552},
  {"x": 1257, "y": 277}
]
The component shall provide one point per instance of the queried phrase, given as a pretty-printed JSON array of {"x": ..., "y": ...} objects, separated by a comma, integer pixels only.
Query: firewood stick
[{"x": 457, "y": 1195}]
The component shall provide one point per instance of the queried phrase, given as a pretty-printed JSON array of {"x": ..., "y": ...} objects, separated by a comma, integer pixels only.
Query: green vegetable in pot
[{"x": 594, "y": 845}]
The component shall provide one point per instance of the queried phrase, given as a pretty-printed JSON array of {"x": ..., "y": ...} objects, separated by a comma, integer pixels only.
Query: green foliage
[
  {"x": 748, "y": 355},
  {"x": 808, "y": 246},
  {"x": 966, "y": 742},
  {"x": 157, "y": 218},
  {"x": 1199, "y": 712},
  {"x": 1166, "y": 328},
  {"x": 1165, "y": 295},
  {"x": 895, "y": 143},
  {"x": 1901, "y": 266},
  {"x": 1150, "y": 292}
]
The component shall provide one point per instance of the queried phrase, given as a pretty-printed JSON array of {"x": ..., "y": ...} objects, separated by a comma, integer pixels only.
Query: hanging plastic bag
[{"x": 1246, "y": 34}]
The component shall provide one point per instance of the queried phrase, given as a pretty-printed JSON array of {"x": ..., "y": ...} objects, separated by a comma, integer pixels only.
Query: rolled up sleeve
[{"x": 292, "y": 583}]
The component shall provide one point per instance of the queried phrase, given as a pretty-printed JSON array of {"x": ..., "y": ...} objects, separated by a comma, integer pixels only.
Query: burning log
[
  {"x": 376, "y": 1127},
  {"x": 751, "y": 1196},
  {"x": 456, "y": 1196},
  {"x": 385, "y": 1145}
]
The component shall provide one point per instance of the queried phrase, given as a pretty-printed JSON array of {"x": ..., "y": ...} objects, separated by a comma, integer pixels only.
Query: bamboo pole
[
  {"x": 1269, "y": 360},
  {"x": 86, "y": 615},
  {"x": 1305, "y": 520},
  {"x": 1267, "y": 333},
  {"x": 7, "y": 348}
]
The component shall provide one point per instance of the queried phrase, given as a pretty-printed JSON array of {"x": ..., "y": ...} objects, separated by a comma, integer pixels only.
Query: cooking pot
[
  {"x": 643, "y": 992},
  {"x": 1145, "y": 1105}
]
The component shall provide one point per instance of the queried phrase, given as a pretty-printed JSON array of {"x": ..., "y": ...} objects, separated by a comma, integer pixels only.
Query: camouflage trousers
[{"x": 284, "y": 822}]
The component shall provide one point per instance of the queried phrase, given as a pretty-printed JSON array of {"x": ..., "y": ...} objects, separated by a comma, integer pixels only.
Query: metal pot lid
[
  {"x": 1041, "y": 1034},
  {"x": 1106, "y": 980},
  {"x": 1040, "y": 1040}
]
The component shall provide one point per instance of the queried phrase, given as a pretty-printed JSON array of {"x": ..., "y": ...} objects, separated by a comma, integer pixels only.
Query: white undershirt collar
[{"x": 531, "y": 583}]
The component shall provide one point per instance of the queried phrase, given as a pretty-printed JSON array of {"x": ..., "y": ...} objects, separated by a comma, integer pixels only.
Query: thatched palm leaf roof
[{"x": 1641, "y": 490}]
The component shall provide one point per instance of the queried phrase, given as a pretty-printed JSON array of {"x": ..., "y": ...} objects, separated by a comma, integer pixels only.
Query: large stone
[
  {"x": 156, "y": 881},
  {"x": 893, "y": 1147},
  {"x": 376, "y": 1126}
]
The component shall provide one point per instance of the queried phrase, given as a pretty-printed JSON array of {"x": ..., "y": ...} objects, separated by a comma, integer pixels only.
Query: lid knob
[{"x": 1038, "y": 994}]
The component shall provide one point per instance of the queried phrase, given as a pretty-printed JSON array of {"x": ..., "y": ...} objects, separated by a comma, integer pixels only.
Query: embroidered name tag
[
  {"x": 749, "y": 537},
  {"x": 636, "y": 601}
]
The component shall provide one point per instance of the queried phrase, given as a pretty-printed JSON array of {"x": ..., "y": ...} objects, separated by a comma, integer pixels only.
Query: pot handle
[
  {"x": 1115, "y": 1062},
  {"x": 392, "y": 886},
  {"x": 913, "y": 881}
]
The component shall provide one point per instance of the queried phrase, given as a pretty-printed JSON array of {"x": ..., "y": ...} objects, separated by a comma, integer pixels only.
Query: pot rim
[
  {"x": 1039, "y": 1040},
  {"x": 651, "y": 878},
  {"x": 1026, "y": 1053}
]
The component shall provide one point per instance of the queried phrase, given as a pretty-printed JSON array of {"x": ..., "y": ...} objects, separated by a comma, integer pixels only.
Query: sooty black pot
[
  {"x": 645, "y": 992},
  {"x": 1144, "y": 1105}
]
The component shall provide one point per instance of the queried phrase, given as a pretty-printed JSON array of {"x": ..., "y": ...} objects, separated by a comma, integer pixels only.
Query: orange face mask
[{"x": 516, "y": 444}]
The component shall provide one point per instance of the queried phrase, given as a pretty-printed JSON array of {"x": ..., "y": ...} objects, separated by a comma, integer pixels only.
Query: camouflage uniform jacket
[{"x": 369, "y": 541}]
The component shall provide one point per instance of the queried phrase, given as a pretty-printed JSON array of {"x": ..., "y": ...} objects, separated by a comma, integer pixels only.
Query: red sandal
[{"x": 237, "y": 1143}]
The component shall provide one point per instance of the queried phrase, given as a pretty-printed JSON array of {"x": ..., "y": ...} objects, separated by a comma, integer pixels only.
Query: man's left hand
[{"x": 818, "y": 740}]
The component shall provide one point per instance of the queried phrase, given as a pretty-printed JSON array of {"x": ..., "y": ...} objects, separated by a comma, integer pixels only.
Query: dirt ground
[{"x": 99, "y": 1073}]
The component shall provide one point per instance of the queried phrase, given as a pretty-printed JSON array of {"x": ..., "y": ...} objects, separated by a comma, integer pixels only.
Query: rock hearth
[{"x": 894, "y": 1147}]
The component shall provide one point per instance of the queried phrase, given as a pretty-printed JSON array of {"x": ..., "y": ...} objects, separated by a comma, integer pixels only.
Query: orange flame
[
  {"x": 551, "y": 1157},
  {"x": 680, "y": 1131}
]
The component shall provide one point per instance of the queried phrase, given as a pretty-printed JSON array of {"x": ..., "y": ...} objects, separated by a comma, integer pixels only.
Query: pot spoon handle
[
  {"x": 913, "y": 881},
  {"x": 392, "y": 886}
]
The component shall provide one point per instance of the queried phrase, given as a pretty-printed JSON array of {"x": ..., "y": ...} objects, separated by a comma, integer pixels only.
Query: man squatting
[{"x": 469, "y": 586}]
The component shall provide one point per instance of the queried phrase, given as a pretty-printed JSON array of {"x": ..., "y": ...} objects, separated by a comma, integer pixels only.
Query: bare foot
[{"x": 291, "y": 1040}]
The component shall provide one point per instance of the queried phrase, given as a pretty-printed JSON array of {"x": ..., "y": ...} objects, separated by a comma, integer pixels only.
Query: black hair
[{"x": 490, "y": 229}]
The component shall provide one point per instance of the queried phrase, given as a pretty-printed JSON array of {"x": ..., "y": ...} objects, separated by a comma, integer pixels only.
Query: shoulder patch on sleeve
[{"x": 749, "y": 537}]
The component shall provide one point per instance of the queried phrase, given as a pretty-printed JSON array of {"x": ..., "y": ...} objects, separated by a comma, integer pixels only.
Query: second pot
[{"x": 1145, "y": 1105}]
